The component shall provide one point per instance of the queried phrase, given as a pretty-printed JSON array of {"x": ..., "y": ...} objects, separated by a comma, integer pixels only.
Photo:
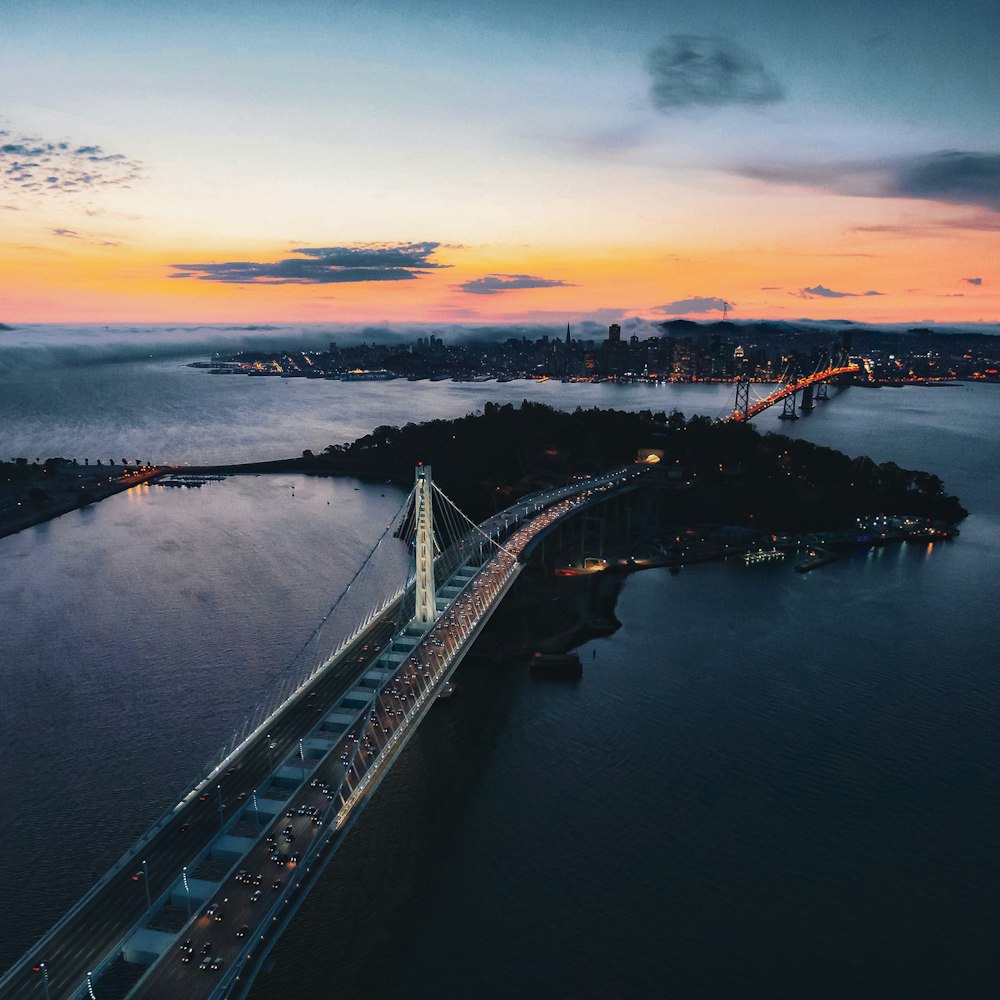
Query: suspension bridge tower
[
  {"x": 425, "y": 609},
  {"x": 742, "y": 409}
]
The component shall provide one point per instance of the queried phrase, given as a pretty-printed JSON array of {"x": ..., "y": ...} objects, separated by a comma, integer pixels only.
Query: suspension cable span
[{"x": 474, "y": 527}]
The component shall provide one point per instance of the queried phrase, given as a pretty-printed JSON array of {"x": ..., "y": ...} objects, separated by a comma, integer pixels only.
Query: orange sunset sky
[{"x": 369, "y": 162}]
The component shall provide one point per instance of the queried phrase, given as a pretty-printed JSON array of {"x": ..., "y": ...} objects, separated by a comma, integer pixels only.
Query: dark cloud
[
  {"x": 821, "y": 292},
  {"x": 708, "y": 71},
  {"x": 322, "y": 266},
  {"x": 950, "y": 176},
  {"x": 696, "y": 304},
  {"x": 984, "y": 222},
  {"x": 69, "y": 233},
  {"x": 492, "y": 284},
  {"x": 375, "y": 255},
  {"x": 973, "y": 281},
  {"x": 30, "y": 165}
]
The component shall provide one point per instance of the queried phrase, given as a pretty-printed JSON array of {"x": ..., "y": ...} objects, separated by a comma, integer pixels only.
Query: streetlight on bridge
[
  {"x": 43, "y": 968},
  {"x": 143, "y": 874}
]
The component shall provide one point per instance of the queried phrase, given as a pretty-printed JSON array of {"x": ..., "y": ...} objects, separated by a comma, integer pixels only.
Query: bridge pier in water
[
  {"x": 807, "y": 398},
  {"x": 742, "y": 408},
  {"x": 788, "y": 408}
]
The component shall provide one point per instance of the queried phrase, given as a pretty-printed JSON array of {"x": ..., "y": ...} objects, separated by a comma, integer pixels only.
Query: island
[{"x": 710, "y": 475}]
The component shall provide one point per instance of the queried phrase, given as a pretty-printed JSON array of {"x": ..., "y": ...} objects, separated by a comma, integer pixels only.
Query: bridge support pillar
[
  {"x": 788, "y": 408},
  {"x": 425, "y": 608},
  {"x": 593, "y": 520},
  {"x": 742, "y": 398},
  {"x": 823, "y": 390},
  {"x": 807, "y": 398}
]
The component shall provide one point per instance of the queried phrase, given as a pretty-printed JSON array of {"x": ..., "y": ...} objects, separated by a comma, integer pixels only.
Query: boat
[
  {"x": 815, "y": 558},
  {"x": 563, "y": 665},
  {"x": 366, "y": 375},
  {"x": 447, "y": 690},
  {"x": 763, "y": 555}
]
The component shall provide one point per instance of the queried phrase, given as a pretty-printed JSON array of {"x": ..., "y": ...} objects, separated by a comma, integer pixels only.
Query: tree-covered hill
[{"x": 734, "y": 474}]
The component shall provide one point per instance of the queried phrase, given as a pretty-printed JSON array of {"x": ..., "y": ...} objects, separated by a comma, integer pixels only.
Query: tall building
[
  {"x": 614, "y": 334},
  {"x": 567, "y": 335}
]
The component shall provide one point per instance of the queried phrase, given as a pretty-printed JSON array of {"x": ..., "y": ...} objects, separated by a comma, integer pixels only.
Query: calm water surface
[{"x": 766, "y": 784}]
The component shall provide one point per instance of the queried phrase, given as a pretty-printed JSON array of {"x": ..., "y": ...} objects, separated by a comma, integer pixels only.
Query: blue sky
[{"x": 525, "y": 139}]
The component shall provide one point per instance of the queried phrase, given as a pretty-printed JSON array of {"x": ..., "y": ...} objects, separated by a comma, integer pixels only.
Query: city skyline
[{"x": 461, "y": 165}]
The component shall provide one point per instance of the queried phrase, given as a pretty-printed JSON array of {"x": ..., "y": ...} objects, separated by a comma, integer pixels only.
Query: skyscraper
[{"x": 614, "y": 334}]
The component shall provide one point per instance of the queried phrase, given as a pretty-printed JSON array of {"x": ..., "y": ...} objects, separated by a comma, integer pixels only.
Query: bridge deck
[{"x": 347, "y": 726}]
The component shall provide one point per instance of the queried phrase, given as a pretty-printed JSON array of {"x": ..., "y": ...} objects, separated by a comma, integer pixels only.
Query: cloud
[
  {"x": 821, "y": 292},
  {"x": 950, "y": 176},
  {"x": 31, "y": 165},
  {"x": 69, "y": 233},
  {"x": 323, "y": 266},
  {"x": 696, "y": 304},
  {"x": 708, "y": 71},
  {"x": 492, "y": 284},
  {"x": 973, "y": 281},
  {"x": 456, "y": 312}
]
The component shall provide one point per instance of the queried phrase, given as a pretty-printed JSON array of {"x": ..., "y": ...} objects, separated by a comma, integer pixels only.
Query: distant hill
[
  {"x": 811, "y": 327},
  {"x": 734, "y": 474},
  {"x": 687, "y": 327},
  {"x": 4, "y": 326}
]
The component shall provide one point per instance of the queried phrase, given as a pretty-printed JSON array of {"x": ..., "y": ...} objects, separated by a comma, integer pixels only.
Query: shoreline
[{"x": 27, "y": 514}]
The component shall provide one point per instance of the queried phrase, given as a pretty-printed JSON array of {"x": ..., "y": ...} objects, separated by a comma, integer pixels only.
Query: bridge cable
[{"x": 475, "y": 528}]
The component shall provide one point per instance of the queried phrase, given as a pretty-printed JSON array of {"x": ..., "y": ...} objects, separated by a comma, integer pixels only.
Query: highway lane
[
  {"x": 369, "y": 745},
  {"x": 238, "y": 906}
]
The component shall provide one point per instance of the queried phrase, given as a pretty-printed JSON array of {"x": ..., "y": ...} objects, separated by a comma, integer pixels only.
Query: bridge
[
  {"x": 813, "y": 385},
  {"x": 195, "y": 906}
]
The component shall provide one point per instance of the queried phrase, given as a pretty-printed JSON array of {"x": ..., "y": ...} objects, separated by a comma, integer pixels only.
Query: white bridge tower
[{"x": 425, "y": 610}]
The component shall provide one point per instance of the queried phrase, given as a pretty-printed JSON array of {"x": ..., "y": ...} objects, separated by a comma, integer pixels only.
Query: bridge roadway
[
  {"x": 793, "y": 387},
  {"x": 99, "y": 926}
]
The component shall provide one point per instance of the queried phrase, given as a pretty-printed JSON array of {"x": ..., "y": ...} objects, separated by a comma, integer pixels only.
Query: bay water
[{"x": 766, "y": 783}]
